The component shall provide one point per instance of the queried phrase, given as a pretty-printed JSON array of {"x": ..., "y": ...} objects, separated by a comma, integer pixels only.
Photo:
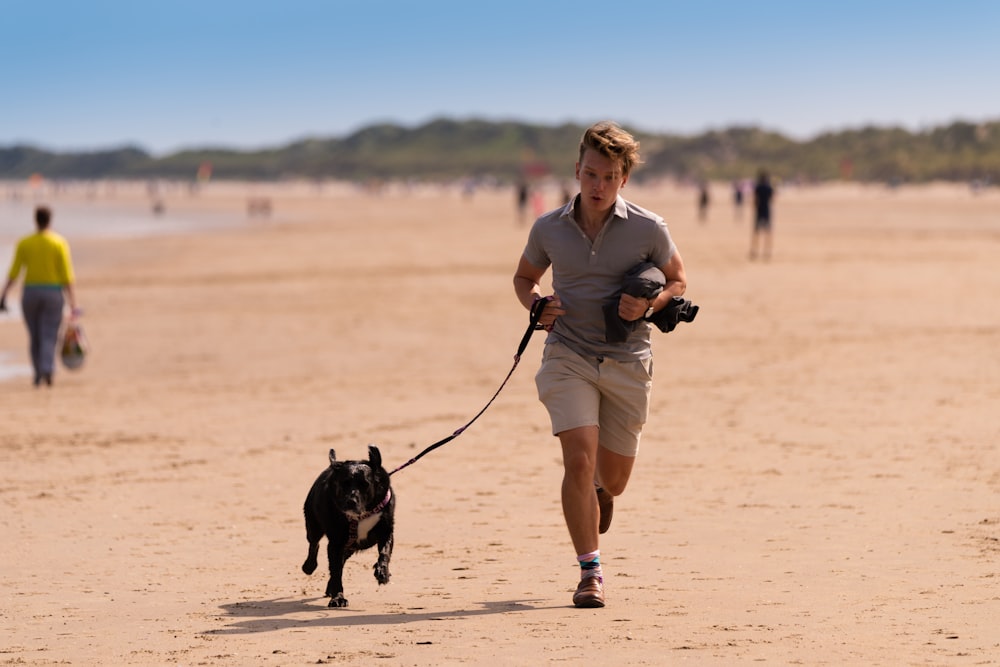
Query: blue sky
[{"x": 170, "y": 74}]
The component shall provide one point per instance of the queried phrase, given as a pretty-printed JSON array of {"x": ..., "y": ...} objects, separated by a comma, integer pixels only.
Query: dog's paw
[
  {"x": 309, "y": 566},
  {"x": 338, "y": 600},
  {"x": 382, "y": 575}
]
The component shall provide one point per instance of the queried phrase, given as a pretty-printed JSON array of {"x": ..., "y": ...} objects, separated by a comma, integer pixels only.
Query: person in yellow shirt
[{"x": 44, "y": 258}]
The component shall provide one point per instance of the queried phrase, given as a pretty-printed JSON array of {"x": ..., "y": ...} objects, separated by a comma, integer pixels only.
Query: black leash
[{"x": 536, "y": 312}]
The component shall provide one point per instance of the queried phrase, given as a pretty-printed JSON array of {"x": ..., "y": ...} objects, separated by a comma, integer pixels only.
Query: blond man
[{"x": 596, "y": 392}]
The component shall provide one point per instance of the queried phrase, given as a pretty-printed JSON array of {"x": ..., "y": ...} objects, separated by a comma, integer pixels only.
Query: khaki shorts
[{"x": 611, "y": 395}]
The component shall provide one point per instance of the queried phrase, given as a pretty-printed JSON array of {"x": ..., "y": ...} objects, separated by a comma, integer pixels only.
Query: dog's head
[{"x": 358, "y": 486}]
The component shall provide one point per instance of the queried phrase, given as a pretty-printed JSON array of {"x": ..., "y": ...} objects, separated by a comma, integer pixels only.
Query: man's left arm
[
  {"x": 676, "y": 284},
  {"x": 631, "y": 308}
]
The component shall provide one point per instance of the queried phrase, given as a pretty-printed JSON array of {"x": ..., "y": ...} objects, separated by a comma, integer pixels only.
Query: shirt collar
[{"x": 620, "y": 209}]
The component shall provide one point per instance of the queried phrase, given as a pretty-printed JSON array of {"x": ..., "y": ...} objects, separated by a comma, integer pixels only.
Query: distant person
[
  {"x": 763, "y": 194},
  {"x": 48, "y": 275},
  {"x": 595, "y": 386},
  {"x": 566, "y": 194},
  {"x": 703, "y": 201},
  {"x": 537, "y": 202},
  {"x": 738, "y": 199},
  {"x": 523, "y": 194}
]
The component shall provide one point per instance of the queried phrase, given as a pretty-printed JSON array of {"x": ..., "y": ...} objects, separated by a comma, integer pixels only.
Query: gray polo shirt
[{"x": 585, "y": 275}]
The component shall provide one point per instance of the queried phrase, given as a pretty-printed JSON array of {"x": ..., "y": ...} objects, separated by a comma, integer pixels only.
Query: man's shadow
[{"x": 270, "y": 615}]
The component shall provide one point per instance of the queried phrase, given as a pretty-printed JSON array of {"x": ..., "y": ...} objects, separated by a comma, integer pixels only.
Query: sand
[{"x": 818, "y": 482}]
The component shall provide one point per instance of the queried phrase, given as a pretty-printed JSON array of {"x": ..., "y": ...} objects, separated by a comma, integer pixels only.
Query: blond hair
[{"x": 611, "y": 141}]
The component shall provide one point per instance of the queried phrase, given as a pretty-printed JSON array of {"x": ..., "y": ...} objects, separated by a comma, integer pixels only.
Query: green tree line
[{"x": 446, "y": 149}]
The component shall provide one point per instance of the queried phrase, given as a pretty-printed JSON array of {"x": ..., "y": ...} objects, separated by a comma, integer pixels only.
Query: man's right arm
[{"x": 526, "y": 282}]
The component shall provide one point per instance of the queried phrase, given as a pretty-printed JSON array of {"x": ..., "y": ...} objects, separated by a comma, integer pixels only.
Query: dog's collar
[
  {"x": 381, "y": 506},
  {"x": 352, "y": 536}
]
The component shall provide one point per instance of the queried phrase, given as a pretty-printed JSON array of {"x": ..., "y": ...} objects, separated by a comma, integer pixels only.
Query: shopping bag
[{"x": 74, "y": 346}]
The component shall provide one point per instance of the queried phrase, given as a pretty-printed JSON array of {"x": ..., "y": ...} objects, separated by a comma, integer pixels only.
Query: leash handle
[
  {"x": 537, "y": 308},
  {"x": 535, "y": 314}
]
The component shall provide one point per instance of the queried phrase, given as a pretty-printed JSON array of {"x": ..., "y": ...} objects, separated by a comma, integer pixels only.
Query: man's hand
[
  {"x": 631, "y": 308},
  {"x": 552, "y": 309}
]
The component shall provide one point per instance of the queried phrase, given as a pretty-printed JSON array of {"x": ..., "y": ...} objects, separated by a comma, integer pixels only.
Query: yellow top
[{"x": 45, "y": 257}]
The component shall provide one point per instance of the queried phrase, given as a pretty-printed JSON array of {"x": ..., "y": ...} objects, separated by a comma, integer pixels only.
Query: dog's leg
[
  {"x": 335, "y": 586},
  {"x": 314, "y": 533},
  {"x": 384, "y": 555},
  {"x": 310, "y": 565}
]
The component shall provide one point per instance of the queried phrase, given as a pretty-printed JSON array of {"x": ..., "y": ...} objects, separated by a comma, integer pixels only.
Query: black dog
[{"x": 353, "y": 505}]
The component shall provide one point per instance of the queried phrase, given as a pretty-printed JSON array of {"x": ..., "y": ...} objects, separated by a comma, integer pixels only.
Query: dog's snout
[{"x": 355, "y": 500}]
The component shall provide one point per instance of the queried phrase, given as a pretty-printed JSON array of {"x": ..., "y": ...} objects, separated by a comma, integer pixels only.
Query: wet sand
[{"x": 818, "y": 482}]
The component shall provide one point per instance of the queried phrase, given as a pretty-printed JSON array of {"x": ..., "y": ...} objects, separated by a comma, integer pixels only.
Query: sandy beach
[{"x": 818, "y": 484}]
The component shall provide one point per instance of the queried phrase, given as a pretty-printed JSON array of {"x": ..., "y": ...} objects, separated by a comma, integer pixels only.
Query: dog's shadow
[{"x": 276, "y": 614}]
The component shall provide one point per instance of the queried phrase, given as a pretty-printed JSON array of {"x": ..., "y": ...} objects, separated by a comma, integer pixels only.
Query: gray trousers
[{"x": 43, "y": 311}]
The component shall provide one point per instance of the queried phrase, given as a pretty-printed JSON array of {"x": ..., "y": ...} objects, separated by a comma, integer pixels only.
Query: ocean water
[
  {"x": 11, "y": 367},
  {"x": 80, "y": 219},
  {"x": 77, "y": 220}
]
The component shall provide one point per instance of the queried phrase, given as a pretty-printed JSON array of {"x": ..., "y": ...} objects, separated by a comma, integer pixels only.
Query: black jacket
[{"x": 645, "y": 281}]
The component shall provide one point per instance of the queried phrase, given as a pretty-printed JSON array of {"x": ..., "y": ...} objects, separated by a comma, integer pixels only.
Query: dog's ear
[
  {"x": 333, "y": 456},
  {"x": 374, "y": 457}
]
